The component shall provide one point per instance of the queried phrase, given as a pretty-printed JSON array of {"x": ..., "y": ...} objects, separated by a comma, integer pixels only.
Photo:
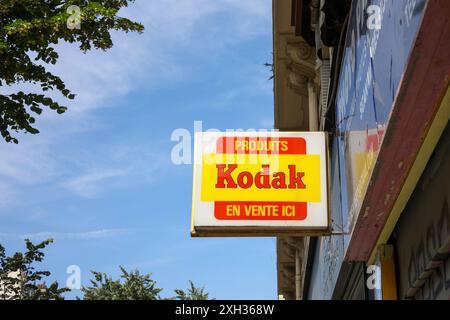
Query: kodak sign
[{"x": 266, "y": 184}]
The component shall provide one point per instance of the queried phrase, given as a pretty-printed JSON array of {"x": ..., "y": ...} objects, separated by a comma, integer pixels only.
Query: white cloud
[
  {"x": 89, "y": 235},
  {"x": 113, "y": 167},
  {"x": 174, "y": 28},
  {"x": 92, "y": 183},
  {"x": 152, "y": 263},
  {"x": 28, "y": 163},
  {"x": 7, "y": 195}
]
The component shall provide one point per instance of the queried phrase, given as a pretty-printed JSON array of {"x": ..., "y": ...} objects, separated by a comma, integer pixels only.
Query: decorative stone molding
[
  {"x": 300, "y": 64},
  {"x": 299, "y": 51},
  {"x": 298, "y": 82}
]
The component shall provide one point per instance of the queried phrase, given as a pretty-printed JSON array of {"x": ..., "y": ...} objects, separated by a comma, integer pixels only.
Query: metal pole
[
  {"x": 313, "y": 112},
  {"x": 298, "y": 276}
]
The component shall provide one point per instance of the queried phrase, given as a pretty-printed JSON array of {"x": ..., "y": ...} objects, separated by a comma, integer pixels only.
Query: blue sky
[{"x": 99, "y": 179}]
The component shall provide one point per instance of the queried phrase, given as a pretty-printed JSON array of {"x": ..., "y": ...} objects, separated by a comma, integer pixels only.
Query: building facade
[{"x": 375, "y": 75}]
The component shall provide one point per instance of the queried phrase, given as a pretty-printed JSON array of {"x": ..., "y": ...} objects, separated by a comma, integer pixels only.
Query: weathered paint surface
[{"x": 424, "y": 83}]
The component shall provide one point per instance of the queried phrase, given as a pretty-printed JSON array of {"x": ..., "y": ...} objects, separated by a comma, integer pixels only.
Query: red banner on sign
[
  {"x": 261, "y": 145},
  {"x": 260, "y": 210}
]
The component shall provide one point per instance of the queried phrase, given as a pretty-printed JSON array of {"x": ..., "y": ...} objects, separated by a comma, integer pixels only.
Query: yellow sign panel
[{"x": 282, "y": 178}]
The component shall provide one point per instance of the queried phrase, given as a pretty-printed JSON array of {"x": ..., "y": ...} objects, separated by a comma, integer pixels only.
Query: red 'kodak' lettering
[
  {"x": 223, "y": 175},
  {"x": 262, "y": 180}
]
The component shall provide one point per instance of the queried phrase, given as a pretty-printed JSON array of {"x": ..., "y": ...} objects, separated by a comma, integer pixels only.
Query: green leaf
[{"x": 36, "y": 109}]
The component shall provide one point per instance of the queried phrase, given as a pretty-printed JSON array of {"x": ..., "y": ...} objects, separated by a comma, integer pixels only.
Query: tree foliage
[
  {"x": 134, "y": 286},
  {"x": 192, "y": 293},
  {"x": 29, "y": 33},
  {"x": 19, "y": 278}
]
